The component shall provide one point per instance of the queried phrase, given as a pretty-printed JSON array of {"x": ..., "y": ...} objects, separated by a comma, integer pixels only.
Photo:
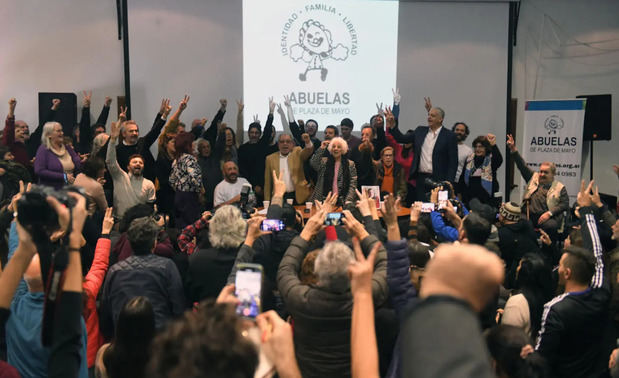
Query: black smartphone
[
  {"x": 248, "y": 289},
  {"x": 272, "y": 225},
  {"x": 334, "y": 219}
]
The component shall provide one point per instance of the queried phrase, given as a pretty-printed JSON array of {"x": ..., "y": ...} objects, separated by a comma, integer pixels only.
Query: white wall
[
  {"x": 452, "y": 52},
  {"x": 192, "y": 47},
  {"x": 455, "y": 53},
  {"x": 567, "y": 68},
  {"x": 58, "y": 46}
]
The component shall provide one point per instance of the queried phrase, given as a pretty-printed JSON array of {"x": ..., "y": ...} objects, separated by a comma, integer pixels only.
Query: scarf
[{"x": 486, "y": 172}]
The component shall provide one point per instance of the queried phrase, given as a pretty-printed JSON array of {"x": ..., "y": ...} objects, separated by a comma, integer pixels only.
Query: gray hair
[
  {"x": 227, "y": 228},
  {"x": 142, "y": 234},
  {"x": 440, "y": 111},
  {"x": 123, "y": 125},
  {"x": 279, "y": 138},
  {"x": 200, "y": 141},
  {"x": 341, "y": 141},
  {"x": 331, "y": 266},
  {"x": 48, "y": 129}
]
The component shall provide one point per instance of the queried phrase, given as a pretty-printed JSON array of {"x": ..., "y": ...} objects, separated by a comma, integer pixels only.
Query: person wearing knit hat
[
  {"x": 516, "y": 238},
  {"x": 510, "y": 211}
]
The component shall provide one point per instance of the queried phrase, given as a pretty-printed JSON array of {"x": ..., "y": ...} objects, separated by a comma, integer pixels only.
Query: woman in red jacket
[{"x": 92, "y": 284}]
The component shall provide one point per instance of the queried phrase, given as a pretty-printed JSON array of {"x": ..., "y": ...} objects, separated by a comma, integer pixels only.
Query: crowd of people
[{"x": 118, "y": 263}]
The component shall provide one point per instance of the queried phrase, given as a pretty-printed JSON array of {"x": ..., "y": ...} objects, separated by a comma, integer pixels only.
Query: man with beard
[
  {"x": 253, "y": 153},
  {"x": 545, "y": 197},
  {"x": 462, "y": 131},
  {"x": 228, "y": 191},
  {"x": 130, "y": 188},
  {"x": 573, "y": 334}
]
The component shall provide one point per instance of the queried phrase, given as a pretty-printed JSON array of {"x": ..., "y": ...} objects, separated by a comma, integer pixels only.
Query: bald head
[{"x": 463, "y": 271}]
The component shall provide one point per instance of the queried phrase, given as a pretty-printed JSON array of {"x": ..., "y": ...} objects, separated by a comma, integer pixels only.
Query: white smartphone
[{"x": 248, "y": 289}]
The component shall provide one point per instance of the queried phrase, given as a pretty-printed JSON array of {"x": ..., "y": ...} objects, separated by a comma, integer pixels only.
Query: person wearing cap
[
  {"x": 516, "y": 238},
  {"x": 545, "y": 197},
  {"x": 346, "y": 127}
]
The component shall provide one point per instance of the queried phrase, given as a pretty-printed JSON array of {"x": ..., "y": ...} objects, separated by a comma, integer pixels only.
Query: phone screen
[
  {"x": 443, "y": 197},
  {"x": 334, "y": 219},
  {"x": 427, "y": 207},
  {"x": 248, "y": 287},
  {"x": 272, "y": 225}
]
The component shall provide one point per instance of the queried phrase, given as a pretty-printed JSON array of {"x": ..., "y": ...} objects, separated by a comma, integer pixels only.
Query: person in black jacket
[
  {"x": 267, "y": 249},
  {"x": 83, "y": 139},
  {"x": 209, "y": 267},
  {"x": 572, "y": 335},
  {"x": 322, "y": 312},
  {"x": 252, "y": 154},
  {"x": 516, "y": 238}
]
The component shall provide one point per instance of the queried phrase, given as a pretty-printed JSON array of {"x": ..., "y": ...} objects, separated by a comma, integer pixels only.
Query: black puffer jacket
[{"x": 516, "y": 240}]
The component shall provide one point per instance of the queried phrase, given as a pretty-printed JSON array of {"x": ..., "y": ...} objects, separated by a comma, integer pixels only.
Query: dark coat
[
  {"x": 322, "y": 318},
  {"x": 444, "y": 155}
]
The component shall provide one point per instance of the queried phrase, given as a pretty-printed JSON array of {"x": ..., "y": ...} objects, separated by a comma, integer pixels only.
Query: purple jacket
[{"x": 48, "y": 168}]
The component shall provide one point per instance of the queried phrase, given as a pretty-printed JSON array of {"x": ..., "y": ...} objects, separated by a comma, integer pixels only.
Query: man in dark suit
[{"x": 435, "y": 147}]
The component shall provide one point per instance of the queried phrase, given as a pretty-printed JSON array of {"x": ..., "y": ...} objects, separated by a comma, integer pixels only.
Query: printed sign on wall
[{"x": 333, "y": 59}]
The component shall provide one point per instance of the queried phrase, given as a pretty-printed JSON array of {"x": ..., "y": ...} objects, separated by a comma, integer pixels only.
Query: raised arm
[
  {"x": 105, "y": 112},
  {"x": 295, "y": 129},
  {"x": 316, "y": 159},
  {"x": 186, "y": 238},
  {"x": 158, "y": 124},
  {"x": 497, "y": 158},
  {"x": 96, "y": 274},
  {"x": 35, "y": 138},
  {"x": 525, "y": 171},
  {"x": 380, "y": 291},
  {"x": 364, "y": 349},
  {"x": 394, "y": 131},
  {"x": 290, "y": 286},
  {"x": 240, "y": 131},
  {"x": 396, "y": 102},
  {"x": 85, "y": 130},
  {"x": 590, "y": 235},
  {"x": 110, "y": 158},
  {"x": 282, "y": 116},
  {"x": 308, "y": 149},
  {"x": 210, "y": 134},
  {"x": 8, "y": 135}
]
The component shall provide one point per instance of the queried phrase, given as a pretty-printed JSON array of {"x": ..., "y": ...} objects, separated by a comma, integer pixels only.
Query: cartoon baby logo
[
  {"x": 315, "y": 47},
  {"x": 553, "y": 123}
]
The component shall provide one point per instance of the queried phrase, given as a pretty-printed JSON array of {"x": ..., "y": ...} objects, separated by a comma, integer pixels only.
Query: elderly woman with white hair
[
  {"x": 336, "y": 174},
  {"x": 213, "y": 259},
  {"x": 55, "y": 164}
]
